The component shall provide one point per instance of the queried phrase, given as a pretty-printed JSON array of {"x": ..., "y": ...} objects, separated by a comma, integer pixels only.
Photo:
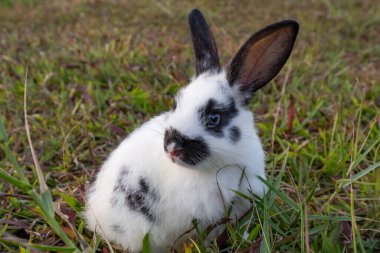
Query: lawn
[{"x": 94, "y": 70}]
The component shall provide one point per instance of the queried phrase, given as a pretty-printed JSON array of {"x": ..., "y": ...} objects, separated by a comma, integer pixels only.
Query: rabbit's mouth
[{"x": 184, "y": 150}]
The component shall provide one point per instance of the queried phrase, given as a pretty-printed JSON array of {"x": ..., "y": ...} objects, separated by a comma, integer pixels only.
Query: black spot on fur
[
  {"x": 124, "y": 171},
  {"x": 135, "y": 199},
  {"x": 190, "y": 151},
  {"x": 117, "y": 229},
  {"x": 121, "y": 184},
  {"x": 235, "y": 134},
  {"x": 227, "y": 113},
  {"x": 114, "y": 201},
  {"x": 144, "y": 187},
  {"x": 142, "y": 199}
]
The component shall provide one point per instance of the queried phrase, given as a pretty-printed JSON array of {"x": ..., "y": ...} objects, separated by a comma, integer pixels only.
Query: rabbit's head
[{"x": 210, "y": 123}]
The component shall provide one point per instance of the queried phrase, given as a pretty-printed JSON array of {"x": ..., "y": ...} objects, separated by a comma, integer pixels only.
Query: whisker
[
  {"x": 224, "y": 151},
  {"x": 245, "y": 135}
]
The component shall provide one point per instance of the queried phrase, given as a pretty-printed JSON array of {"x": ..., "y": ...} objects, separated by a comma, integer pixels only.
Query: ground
[{"x": 97, "y": 69}]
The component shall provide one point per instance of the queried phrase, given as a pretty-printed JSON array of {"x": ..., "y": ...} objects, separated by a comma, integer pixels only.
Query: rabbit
[{"x": 184, "y": 165}]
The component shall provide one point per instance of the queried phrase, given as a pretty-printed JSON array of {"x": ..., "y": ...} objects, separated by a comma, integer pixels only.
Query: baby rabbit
[{"x": 185, "y": 163}]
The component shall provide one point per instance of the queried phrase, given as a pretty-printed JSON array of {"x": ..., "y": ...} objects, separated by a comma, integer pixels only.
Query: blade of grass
[
  {"x": 18, "y": 183},
  {"x": 278, "y": 107},
  {"x": 361, "y": 157},
  {"x": 312, "y": 217},
  {"x": 311, "y": 115},
  {"x": 302, "y": 229},
  {"x": 278, "y": 180},
  {"x": 41, "y": 179},
  {"x": 84, "y": 245},
  {"x": 44, "y": 201},
  {"x": 48, "y": 248},
  {"x": 290, "y": 202},
  {"x": 355, "y": 161},
  {"x": 9, "y": 154},
  {"x": 146, "y": 244},
  {"x": 265, "y": 244},
  {"x": 195, "y": 245},
  {"x": 362, "y": 173},
  {"x": 254, "y": 232}
]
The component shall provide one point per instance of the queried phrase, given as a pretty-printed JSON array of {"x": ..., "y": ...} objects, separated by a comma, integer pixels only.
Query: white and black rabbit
[{"x": 185, "y": 163}]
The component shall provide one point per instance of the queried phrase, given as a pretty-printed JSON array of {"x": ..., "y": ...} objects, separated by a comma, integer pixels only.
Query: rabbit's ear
[
  {"x": 261, "y": 58},
  {"x": 205, "y": 50}
]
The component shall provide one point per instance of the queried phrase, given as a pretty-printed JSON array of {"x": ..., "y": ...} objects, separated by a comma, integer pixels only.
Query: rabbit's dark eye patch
[{"x": 216, "y": 116}]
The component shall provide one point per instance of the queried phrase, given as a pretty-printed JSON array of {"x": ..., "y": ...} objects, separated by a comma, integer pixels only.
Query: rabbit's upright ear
[
  {"x": 261, "y": 58},
  {"x": 205, "y": 50}
]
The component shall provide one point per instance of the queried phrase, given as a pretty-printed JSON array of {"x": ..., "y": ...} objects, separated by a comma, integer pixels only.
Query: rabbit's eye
[{"x": 213, "y": 120}]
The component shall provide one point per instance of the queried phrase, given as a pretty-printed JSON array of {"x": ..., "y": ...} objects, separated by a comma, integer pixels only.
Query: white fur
[{"x": 184, "y": 192}]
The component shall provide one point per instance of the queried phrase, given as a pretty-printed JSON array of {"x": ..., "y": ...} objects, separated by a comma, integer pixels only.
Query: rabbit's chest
[{"x": 189, "y": 194}]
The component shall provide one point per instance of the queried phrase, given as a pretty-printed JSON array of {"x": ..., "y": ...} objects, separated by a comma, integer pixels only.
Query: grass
[{"x": 98, "y": 69}]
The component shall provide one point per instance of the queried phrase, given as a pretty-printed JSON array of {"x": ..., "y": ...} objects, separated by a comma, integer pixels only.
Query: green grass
[{"x": 97, "y": 70}]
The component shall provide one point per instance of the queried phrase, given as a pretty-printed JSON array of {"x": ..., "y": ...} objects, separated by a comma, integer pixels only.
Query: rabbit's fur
[{"x": 185, "y": 163}]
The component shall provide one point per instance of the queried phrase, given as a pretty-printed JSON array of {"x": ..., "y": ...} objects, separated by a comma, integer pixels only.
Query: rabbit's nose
[
  {"x": 174, "y": 153},
  {"x": 173, "y": 139}
]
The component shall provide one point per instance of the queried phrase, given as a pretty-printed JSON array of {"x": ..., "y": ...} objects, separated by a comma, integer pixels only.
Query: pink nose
[{"x": 173, "y": 153}]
